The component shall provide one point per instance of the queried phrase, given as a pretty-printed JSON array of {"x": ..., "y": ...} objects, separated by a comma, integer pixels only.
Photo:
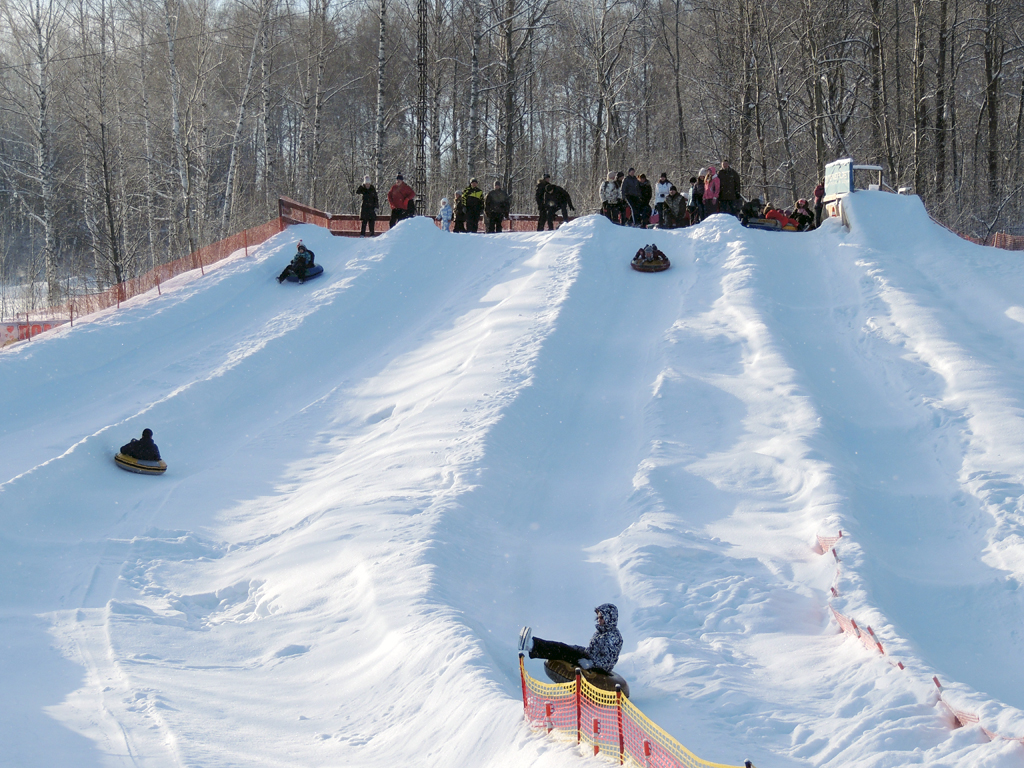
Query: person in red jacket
[
  {"x": 770, "y": 212},
  {"x": 819, "y": 202},
  {"x": 400, "y": 198}
]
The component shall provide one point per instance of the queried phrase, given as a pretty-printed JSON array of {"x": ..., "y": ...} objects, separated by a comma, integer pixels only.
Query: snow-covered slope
[{"x": 377, "y": 477}]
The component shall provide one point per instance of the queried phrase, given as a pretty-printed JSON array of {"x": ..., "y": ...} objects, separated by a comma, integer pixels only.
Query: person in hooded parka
[
  {"x": 144, "y": 449},
  {"x": 601, "y": 654}
]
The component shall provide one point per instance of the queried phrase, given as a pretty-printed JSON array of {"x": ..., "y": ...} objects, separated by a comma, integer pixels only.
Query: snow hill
[{"x": 377, "y": 477}]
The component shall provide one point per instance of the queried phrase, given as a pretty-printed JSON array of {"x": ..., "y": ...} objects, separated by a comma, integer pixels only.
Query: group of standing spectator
[
  {"x": 626, "y": 199},
  {"x": 464, "y": 216},
  {"x": 401, "y": 198}
]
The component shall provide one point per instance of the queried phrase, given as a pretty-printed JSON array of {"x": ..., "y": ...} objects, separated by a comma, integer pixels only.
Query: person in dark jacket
[
  {"x": 556, "y": 199},
  {"x": 729, "y": 189},
  {"x": 646, "y": 193},
  {"x": 752, "y": 209},
  {"x": 144, "y": 449},
  {"x": 473, "y": 199},
  {"x": 672, "y": 210},
  {"x": 696, "y": 205},
  {"x": 631, "y": 194},
  {"x": 542, "y": 209},
  {"x": 460, "y": 214},
  {"x": 302, "y": 261},
  {"x": 497, "y": 206},
  {"x": 623, "y": 207},
  {"x": 804, "y": 216},
  {"x": 368, "y": 208},
  {"x": 601, "y": 654}
]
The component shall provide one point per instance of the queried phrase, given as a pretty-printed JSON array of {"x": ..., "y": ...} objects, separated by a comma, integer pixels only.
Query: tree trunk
[{"x": 378, "y": 146}]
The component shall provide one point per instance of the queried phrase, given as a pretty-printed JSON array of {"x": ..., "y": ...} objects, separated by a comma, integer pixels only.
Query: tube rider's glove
[{"x": 585, "y": 664}]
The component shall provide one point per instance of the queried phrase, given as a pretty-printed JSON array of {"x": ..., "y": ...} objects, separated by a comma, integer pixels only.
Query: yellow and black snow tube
[
  {"x": 564, "y": 672},
  {"x": 138, "y": 466}
]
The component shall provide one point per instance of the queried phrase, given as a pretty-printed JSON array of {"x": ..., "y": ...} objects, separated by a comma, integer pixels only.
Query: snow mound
[{"x": 375, "y": 478}]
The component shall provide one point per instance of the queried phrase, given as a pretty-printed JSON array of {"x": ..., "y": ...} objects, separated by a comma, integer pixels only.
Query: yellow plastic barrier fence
[{"x": 606, "y": 721}]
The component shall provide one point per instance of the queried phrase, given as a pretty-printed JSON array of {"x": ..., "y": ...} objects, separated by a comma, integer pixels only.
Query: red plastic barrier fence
[
  {"x": 1003, "y": 240},
  {"x": 348, "y": 224},
  {"x": 825, "y": 543},
  {"x": 870, "y": 641},
  {"x": 22, "y": 331}
]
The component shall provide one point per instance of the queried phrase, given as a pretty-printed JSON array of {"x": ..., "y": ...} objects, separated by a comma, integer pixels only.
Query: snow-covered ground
[{"x": 377, "y": 477}]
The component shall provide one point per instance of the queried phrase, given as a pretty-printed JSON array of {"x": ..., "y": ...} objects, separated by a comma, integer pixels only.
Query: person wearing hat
[
  {"x": 368, "y": 208},
  {"x": 444, "y": 215},
  {"x": 144, "y": 449},
  {"x": 302, "y": 261},
  {"x": 557, "y": 200},
  {"x": 497, "y": 206},
  {"x": 804, "y": 215},
  {"x": 401, "y": 198},
  {"x": 473, "y": 199},
  {"x": 601, "y": 654},
  {"x": 672, "y": 209},
  {"x": 611, "y": 197},
  {"x": 542, "y": 209}
]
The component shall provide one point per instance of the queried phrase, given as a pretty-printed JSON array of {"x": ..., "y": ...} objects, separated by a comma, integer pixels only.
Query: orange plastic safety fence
[
  {"x": 210, "y": 254},
  {"x": 604, "y": 721},
  {"x": 825, "y": 543}
]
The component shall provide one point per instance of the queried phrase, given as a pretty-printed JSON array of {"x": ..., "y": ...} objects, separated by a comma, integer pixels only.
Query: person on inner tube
[
  {"x": 601, "y": 655},
  {"x": 302, "y": 261},
  {"x": 144, "y": 449}
]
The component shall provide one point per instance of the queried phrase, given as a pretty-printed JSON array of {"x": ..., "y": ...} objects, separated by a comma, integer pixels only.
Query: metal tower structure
[{"x": 421, "y": 106}]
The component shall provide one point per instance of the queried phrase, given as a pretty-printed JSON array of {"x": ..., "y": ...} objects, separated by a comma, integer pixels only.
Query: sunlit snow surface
[{"x": 377, "y": 477}]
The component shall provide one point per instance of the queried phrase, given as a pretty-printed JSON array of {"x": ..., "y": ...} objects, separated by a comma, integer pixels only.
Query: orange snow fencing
[
  {"x": 85, "y": 304},
  {"x": 204, "y": 257},
  {"x": 606, "y": 722},
  {"x": 962, "y": 718},
  {"x": 1002, "y": 240},
  {"x": 869, "y": 640}
]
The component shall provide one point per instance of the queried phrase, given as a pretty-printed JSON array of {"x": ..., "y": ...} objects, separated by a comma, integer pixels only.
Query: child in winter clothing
[
  {"x": 601, "y": 654},
  {"x": 696, "y": 200},
  {"x": 711, "y": 187},
  {"x": 445, "y": 215},
  {"x": 804, "y": 216}
]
